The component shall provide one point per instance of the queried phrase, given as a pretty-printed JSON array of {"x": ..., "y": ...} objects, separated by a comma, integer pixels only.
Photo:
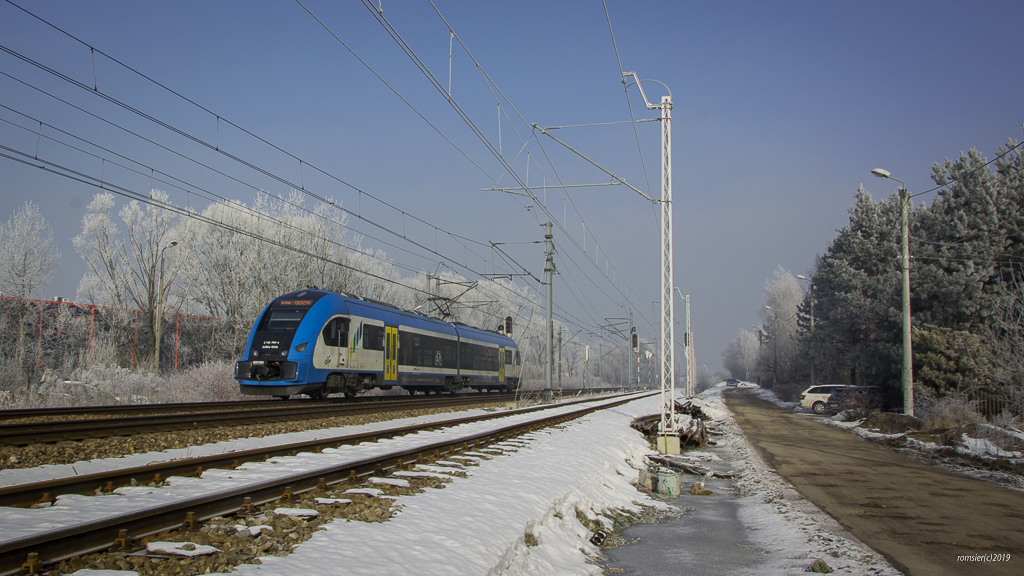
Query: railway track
[
  {"x": 30, "y": 552},
  {"x": 71, "y": 412},
  {"x": 42, "y": 431}
]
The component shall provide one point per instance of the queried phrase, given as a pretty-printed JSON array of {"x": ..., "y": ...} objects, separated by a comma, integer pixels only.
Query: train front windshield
[{"x": 282, "y": 319}]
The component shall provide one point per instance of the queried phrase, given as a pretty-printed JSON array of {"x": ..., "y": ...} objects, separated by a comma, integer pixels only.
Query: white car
[{"x": 814, "y": 398}]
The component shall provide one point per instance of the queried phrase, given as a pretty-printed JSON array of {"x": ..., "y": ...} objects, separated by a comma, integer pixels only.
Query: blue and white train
[{"x": 316, "y": 343}]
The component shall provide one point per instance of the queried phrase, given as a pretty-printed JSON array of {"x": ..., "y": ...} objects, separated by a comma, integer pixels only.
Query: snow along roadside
[
  {"x": 791, "y": 530},
  {"x": 479, "y": 525}
]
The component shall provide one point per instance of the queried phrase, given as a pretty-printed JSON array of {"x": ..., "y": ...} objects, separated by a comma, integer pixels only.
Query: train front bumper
[{"x": 259, "y": 371}]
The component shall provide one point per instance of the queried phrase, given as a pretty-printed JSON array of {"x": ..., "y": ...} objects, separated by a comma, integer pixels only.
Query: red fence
[{"x": 43, "y": 333}]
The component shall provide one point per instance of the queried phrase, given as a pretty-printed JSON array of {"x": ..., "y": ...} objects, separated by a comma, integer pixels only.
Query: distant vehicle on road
[
  {"x": 732, "y": 382},
  {"x": 866, "y": 398},
  {"x": 815, "y": 397}
]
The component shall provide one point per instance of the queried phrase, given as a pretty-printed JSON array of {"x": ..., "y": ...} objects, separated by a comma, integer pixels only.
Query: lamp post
[
  {"x": 810, "y": 284},
  {"x": 908, "y": 359},
  {"x": 667, "y": 337},
  {"x": 160, "y": 310},
  {"x": 760, "y": 338},
  {"x": 775, "y": 346}
]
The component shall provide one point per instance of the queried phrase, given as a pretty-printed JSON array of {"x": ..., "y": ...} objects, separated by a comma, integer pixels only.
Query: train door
[
  {"x": 335, "y": 341},
  {"x": 390, "y": 354},
  {"x": 501, "y": 365}
]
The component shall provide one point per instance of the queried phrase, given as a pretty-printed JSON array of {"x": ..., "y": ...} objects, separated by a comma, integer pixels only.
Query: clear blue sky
[{"x": 781, "y": 110}]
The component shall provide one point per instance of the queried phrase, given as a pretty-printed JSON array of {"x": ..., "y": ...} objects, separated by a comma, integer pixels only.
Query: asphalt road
[{"x": 921, "y": 518}]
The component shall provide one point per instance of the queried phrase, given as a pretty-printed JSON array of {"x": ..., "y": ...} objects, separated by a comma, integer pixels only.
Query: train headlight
[{"x": 301, "y": 347}]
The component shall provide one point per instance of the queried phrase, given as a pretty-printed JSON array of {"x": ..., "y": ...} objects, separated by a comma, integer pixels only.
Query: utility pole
[
  {"x": 632, "y": 346},
  {"x": 586, "y": 359},
  {"x": 689, "y": 353},
  {"x": 160, "y": 310},
  {"x": 549, "y": 272},
  {"x": 668, "y": 364},
  {"x": 559, "y": 359},
  {"x": 430, "y": 295},
  {"x": 810, "y": 285},
  {"x": 693, "y": 349},
  {"x": 908, "y": 357}
]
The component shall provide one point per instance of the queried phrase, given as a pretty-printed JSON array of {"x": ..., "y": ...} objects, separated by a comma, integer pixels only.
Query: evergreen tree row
[{"x": 967, "y": 258}]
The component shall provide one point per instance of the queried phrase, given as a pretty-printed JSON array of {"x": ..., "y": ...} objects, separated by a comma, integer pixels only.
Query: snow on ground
[
  {"x": 73, "y": 509},
  {"x": 14, "y": 476},
  {"x": 791, "y": 530},
  {"x": 516, "y": 514},
  {"x": 977, "y": 453}
]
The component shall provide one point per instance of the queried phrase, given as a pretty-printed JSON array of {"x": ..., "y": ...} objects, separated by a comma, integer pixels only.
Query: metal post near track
[
  {"x": 549, "y": 272},
  {"x": 667, "y": 428}
]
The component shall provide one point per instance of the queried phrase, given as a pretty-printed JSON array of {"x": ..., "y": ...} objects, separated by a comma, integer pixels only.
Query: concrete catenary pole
[
  {"x": 908, "y": 357},
  {"x": 688, "y": 345},
  {"x": 549, "y": 272},
  {"x": 629, "y": 350}
]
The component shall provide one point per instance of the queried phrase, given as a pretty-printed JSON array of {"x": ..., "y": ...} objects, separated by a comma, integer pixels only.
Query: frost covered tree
[
  {"x": 965, "y": 250},
  {"x": 742, "y": 354},
  {"x": 778, "y": 351},
  {"x": 28, "y": 256},
  {"x": 28, "y": 253},
  {"x": 123, "y": 267},
  {"x": 857, "y": 297}
]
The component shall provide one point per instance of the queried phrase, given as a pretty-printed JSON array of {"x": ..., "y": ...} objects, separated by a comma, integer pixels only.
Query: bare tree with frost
[
  {"x": 28, "y": 256},
  {"x": 124, "y": 267},
  {"x": 778, "y": 355},
  {"x": 742, "y": 354}
]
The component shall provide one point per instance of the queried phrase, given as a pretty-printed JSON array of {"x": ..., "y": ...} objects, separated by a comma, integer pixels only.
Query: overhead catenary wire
[
  {"x": 280, "y": 179},
  {"x": 70, "y": 174},
  {"x": 152, "y": 171},
  {"x": 564, "y": 316},
  {"x": 220, "y": 118},
  {"x": 300, "y": 186},
  {"x": 542, "y": 205},
  {"x": 188, "y": 187}
]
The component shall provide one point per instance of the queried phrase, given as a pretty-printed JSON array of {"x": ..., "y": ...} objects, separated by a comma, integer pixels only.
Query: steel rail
[
  {"x": 22, "y": 413},
  {"x": 26, "y": 495},
  {"x": 168, "y": 408},
  {"x": 22, "y": 433},
  {"x": 34, "y": 551}
]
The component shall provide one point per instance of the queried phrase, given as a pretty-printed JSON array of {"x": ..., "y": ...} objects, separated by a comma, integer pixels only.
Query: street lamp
[
  {"x": 760, "y": 343},
  {"x": 908, "y": 361},
  {"x": 160, "y": 310},
  {"x": 691, "y": 359},
  {"x": 775, "y": 346},
  {"x": 810, "y": 284}
]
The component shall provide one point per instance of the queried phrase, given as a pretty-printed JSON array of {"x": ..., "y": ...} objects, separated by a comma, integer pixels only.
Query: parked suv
[
  {"x": 815, "y": 397},
  {"x": 865, "y": 398}
]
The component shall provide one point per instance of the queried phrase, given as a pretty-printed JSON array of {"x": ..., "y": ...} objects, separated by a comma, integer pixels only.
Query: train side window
[
  {"x": 406, "y": 353},
  {"x": 336, "y": 332},
  {"x": 373, "y": 337}
]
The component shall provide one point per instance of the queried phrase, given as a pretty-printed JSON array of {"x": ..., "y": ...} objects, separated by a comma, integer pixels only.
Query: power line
[
  {"x": 258, "y": 169},
  {"x": 498, "y": 156},
  {"x": 76, "y": 176},
  {"x": 971, "y": 173},
  {"x": 215, "y": 147},
  {"x": 220, "y": 118}
]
